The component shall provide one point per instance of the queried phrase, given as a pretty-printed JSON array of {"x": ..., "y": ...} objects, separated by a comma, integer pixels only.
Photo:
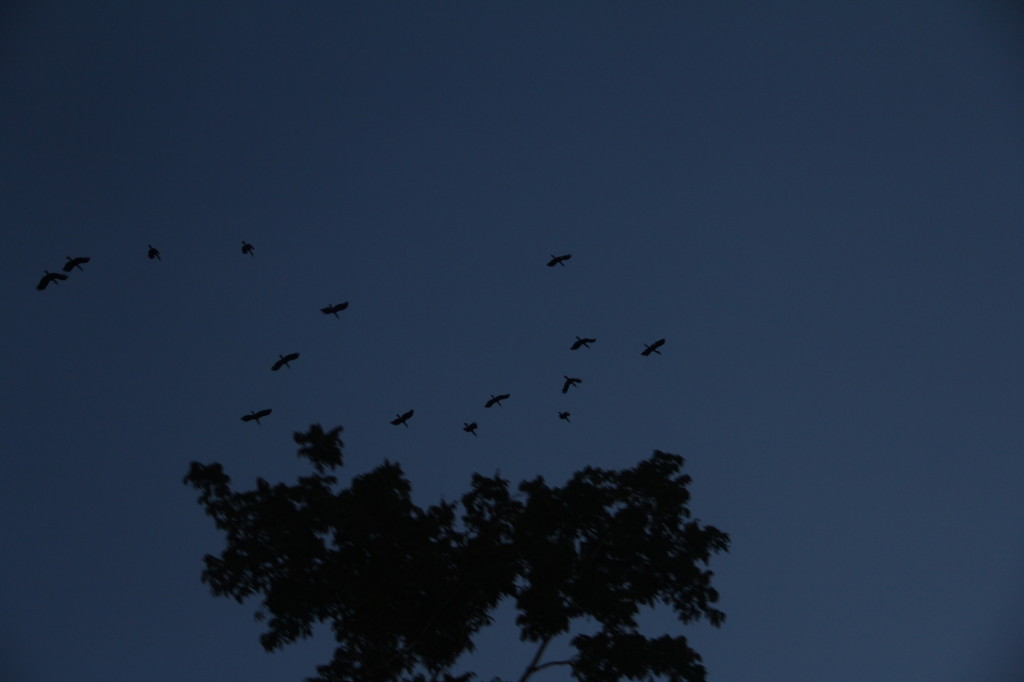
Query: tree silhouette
[{"x": 405, "y": 588}]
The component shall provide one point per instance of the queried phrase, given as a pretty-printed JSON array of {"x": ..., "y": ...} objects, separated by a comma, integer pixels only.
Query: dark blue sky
[{"x": 819, "y": 205}]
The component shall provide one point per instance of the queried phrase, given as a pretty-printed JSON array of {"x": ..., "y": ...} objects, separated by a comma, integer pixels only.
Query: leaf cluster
[{"x": 405, "y": 588}]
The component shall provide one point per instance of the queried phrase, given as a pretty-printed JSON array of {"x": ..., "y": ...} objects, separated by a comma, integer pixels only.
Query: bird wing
[
  {"x": 263, "y": 413},
  {"x": 291, "y": 356},
  {"x": 565, "y": 386},
  {"x": 69, "y": 266},
  {"x": 327, "y": 311},
  {"x": 407, "y": 415},
  {"x": 576, "y": 345},
  {"x": 248, "y": 417},
  {"x": 658, "y": 344},
  {"x": 49, "y": 277},
  {"x": 277, "y": 365},
  {"x": 503, "y": 396}
]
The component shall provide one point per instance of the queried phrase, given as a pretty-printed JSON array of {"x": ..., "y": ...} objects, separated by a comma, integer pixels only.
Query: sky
[{"x": 818, "y": 205}]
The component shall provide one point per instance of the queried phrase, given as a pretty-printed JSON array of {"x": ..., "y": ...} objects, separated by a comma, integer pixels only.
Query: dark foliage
[{"x": 405, "y": 589}]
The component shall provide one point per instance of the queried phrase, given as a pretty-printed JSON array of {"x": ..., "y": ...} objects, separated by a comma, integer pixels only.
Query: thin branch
[
  {"x": 532, "y": 668},
  {"x": 551, "y": 663}
]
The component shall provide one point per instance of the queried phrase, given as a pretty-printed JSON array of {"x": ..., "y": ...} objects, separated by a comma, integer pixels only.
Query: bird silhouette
[
  {"x": 496, "y": 400},
  {"x": 256, "y": 415},
  {"x": 334, "y": 309},
  {"x": 247, "y": 248},
  {"x": 558, "y": 260},
  {"x": 49, "y": 277},
  {"x": 584, "y": 343},
  {"x": 283, "y": 361},
  {"x": 153, "y": 252},
  {"x": 569, "y": 382},
  {"x": 402, "y": 418},
  {"x": 653, "y": 348},
  {"x": 564, "y": 416},
  {"x": 469, "y": 428},
  {"x": 75, "y": 263}
]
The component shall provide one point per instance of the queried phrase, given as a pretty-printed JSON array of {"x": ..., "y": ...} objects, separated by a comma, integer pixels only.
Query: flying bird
[
  {"x": 153, "y": 252},
  {"x": 334, "y": 309},
  {"x": 75, "y": 263},
  {"x": 49, "y": 277},
  {"x": 653, "y": 348},
  {"x": 558, "y": 260},
  {"x": 256, "y": 415},
  {"x": 496, "y": 400},
  {"x": 569, "y": 382},
  {"x": 584, "y": 343},
  {"x": 283, "y": 361},
  {"x": 564, "y": 416},
  {"x": 247, "y": 248},
  {"x": 402, "y": 419},
  {"x": 469, "y": 428}
]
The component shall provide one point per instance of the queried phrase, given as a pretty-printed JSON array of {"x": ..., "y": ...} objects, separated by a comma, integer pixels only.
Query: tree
[{"x": 405, "y": 589}]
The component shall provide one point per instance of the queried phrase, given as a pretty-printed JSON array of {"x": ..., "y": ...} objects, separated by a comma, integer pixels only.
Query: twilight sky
[{"x": 818, "y": 205}]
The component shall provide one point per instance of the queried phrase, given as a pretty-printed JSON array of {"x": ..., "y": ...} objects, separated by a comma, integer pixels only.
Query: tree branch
[
  {"x": 550, "y": 663},
  {"x": 532, "y": 668}
]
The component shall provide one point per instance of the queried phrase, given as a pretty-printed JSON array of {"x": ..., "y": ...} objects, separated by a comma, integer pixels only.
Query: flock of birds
[
  {"x": 401, "y": 419},
  {"x": 55, "y": 277}
]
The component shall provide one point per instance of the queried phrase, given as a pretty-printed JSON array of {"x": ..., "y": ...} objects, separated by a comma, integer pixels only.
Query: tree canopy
[{"x": 405, "y": 589}]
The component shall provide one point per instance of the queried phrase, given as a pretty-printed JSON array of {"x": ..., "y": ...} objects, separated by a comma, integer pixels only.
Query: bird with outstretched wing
[
  {"x": 256, "y": 416},
  {"x": 653, "y": 348},
  {"x": 496, "y": 400},
  {"x": 402, "y": 419},
  {"x": 334, "y": 309},
  {"x": 49, "y": 277},
  {"x": 581, "y": 343},
  {"x": 75, "y": 263},
  {"x": 569, "y": 383},
  {"x": 283, "y": 360}
]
